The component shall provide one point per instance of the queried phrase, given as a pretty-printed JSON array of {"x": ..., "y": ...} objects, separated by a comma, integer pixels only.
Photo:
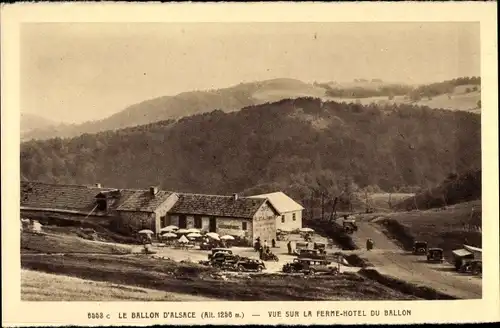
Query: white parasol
[
  {"x": 194, "y": 230},
  {"x": 213, "y": 235},
  {"x": 183, "y": 240},
  {"x": 169, "y": 229},
  {"x": 227, "y": 237},
  {"x": 182, "y": 231},
  {"x": 146, "y": 231},
  {"x": 193, "y": 235},
  {"x": 169, "y": 235},
  {"x": 306, "y": 230}
]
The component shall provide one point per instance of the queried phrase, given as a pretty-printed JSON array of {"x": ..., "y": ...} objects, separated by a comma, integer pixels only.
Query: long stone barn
[
  {"x": 122, "y": 210},
  {"x": 128, "y": 210},
  {"x": 243, "y": 217}
]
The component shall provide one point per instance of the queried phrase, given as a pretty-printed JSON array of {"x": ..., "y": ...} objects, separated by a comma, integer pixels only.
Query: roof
[
  {"x": 81, "y": 198},
  {"x": 473, "y": 249},
  {"x": 216, "y": 205},
  {"x": 142, "y": 201},
  {"x": 281, "y": 202},
  {"x": 461, "y": 252}
]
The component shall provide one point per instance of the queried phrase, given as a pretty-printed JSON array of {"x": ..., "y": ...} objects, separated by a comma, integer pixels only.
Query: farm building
[
  {"x": 247, "y": 218},
  {"x": 290, "y": 212},
  {"x": 125, "y": 210}
]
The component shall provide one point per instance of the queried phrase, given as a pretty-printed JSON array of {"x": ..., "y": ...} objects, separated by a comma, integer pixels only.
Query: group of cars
[
  {"x": 224, "y": 258},
  {"x": 310, "y": 261},
  {"x": 435, "y": 255}
]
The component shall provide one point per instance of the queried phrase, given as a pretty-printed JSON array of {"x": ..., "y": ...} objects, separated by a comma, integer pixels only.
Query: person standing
[
  {"x": 273, "y": 243},
  {"x": 265, "y": 243},
  {"x": 289, "y": 245}
]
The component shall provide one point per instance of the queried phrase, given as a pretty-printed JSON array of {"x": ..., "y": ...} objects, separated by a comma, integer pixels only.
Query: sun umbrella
[
  {"x": 182, "y": 231},
  {"x": 213, "y": 235},
  {"x": 194, "y": 230},
  {"x": 172, "y": 227},
  {"x": 227, "y": 237},
  {"x": 169, "y": 235},
  {"x": 193, "y": 235},
  {"x": 183, "y": 240},
  {"x": 147, "y": 232},
  {"x": 168, "y": 229},
  {"x": 306, "y": 230}
]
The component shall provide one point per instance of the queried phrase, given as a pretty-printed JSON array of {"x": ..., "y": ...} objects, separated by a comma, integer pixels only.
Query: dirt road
[{"x": 390, "y": 259}]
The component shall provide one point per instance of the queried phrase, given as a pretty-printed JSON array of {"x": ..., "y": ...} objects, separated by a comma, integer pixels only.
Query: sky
[{"x": 75, "y": 72}]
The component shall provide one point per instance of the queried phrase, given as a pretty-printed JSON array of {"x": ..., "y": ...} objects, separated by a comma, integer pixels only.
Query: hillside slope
[
  {"x": 186, "y": 104},
  {"x": 30, "y": 122},
  {"x": 289, "y": 145},
  {"x": 458, "y": 94},
  {"x": 457, "y": 188}
]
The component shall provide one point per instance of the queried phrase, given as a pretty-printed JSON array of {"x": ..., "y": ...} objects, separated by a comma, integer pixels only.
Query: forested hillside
[
  {"x": 292, "y": 145},
  {"x": 456, "y": 188}
]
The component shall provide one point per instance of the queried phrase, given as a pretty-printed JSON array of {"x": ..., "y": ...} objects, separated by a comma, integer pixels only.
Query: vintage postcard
[{"x": 256, "y": 163}]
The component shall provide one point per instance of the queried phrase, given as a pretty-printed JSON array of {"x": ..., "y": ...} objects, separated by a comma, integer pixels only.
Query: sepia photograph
[{"x": 250, "y": 161}]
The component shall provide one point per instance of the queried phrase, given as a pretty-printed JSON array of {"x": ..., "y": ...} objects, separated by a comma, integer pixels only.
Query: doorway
[
  {"x": 182, "y": 222},
  {"x": 213, "y": 225}
]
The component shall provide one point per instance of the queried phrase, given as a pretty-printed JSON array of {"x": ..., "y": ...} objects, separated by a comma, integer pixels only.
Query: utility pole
[
  {"x": 311, "y": 205},
  {"x": 322, "y": 206}
]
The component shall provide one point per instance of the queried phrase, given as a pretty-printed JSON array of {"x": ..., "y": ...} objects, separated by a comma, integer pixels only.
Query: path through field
[{"x": 390, "y": 259}]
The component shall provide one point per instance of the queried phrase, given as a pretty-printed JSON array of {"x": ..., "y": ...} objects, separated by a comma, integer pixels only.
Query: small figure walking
[
  {"x": 289, "y": 245},
  {"x": 369, "y": 244},
  {"x": 265, "y": 243},
  {"x": 273, "y": 243}
]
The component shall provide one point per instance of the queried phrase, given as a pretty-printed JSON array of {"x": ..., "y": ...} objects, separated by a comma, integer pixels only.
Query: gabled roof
[
  {"x": 141, "y": 200},
  {"x": 281, "y": 202},
  {"x": 216, "y": 205},
  {"x": 81, "y": 199}
]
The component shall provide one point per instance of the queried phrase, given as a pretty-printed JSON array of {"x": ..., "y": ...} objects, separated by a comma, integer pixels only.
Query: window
[
  {"x": 282, "y": 219},
  {"x": 293, "y": 216},
  {"x": 244, "y": 226},
  {"x": 197, "y": 222}
]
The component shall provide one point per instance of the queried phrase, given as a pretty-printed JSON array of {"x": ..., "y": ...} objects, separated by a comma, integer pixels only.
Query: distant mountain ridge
[
  {"x": 30, "y": 122},
  {"x": 256, "y": 93},
  {"x": 185, "y": 104}
]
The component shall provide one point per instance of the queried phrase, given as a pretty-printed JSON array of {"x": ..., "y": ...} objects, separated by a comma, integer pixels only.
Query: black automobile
[
  {"x": 321, "y": 247},
  {"x": 435, "y": 255},
  {"x": 224, "y": 260},
  {"x": 308, "y": 266},
  {"x": 419, "y": 248},
  {"x": 472, "y": 266},
  {"x": 219, "y": 250},
  {"x": 311, "y": 254},
  {"x": 247, "y": 264}
]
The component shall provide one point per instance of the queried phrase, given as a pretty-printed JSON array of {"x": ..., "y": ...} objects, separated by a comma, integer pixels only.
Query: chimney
[
  {"x": 153, "y": 191},
  {"x": 98, "y": 185},
  {"x": 235, "y": 196}
]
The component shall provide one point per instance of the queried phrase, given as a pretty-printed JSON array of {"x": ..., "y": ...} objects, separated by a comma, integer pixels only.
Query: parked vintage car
[
  {"x": 321, "y": 247},
  {"x": 224, "y": 260},
  {"x": 420, "y": 248},
  {"x": 350, "y": 226},
  {"x": 472, "y": 266},
  {"x": 248, "y": 264},
  {"x": 219, "y": 250},
  {"x": 311, "y": 254},
  {"x": 309, "y": 266},
  {"x": 435, "y": 255},
  {"x": 300, "y": 246}
]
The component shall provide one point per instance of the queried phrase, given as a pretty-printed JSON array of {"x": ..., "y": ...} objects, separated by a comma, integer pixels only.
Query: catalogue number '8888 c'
[{"x": 97, "y": 315}]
